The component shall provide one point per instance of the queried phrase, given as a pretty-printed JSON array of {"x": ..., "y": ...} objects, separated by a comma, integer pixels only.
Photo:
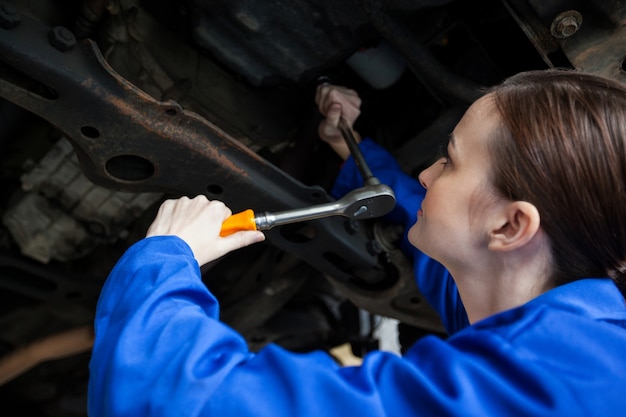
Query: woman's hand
[
  {"x": 335, "y": 102},
  {"x": 198, "y": 221}
]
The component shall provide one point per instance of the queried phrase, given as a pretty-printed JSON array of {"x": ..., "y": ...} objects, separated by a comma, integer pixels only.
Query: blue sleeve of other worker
[{"x": 433, "y": 280}]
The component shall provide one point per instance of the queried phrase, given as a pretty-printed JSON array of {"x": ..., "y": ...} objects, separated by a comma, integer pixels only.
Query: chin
[
  {"x": 417, "y": 240},
  {"x": 413, "y": 236}
]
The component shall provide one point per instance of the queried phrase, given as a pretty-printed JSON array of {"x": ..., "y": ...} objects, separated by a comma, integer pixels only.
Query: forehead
[
  {"x": 483, "y": 108},
  {"x": 477, "y": 124}
]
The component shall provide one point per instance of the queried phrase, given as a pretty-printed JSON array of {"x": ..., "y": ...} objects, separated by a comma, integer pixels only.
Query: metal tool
[
  {"x": 363, "y": 203},
  {"x": 372, "y": 200},
  {"x": 357, "y": 155}
]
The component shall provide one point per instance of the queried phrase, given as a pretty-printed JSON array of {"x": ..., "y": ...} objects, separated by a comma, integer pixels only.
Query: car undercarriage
[{"x": 108, "y": 107}]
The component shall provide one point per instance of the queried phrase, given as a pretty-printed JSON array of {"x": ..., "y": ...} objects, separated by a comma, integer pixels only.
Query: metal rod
[
  {"x": 265, "y": 221},
  {"x": 355, "y": 151}
]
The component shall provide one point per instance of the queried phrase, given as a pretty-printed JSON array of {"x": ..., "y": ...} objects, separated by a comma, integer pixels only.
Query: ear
[{"x": 518, "y": 224}]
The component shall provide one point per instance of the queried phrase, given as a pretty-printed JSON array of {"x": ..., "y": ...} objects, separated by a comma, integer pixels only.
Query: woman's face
[{"x": 453, "y": 222}]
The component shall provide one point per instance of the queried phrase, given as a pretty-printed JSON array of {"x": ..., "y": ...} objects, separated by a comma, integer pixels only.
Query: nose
[{"x": 427, "y": 176}]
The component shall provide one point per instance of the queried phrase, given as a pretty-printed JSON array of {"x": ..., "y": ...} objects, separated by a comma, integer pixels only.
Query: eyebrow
[{"x": 452, "y": 140}]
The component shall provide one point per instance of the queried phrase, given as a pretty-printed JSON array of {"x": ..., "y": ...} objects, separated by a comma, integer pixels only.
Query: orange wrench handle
[{"x": 237, "y": 222}]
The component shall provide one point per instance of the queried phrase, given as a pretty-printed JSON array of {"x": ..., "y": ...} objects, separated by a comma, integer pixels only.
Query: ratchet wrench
[
  {"x": 363, "y": 203},
  {"x": 372, "y": 200}
]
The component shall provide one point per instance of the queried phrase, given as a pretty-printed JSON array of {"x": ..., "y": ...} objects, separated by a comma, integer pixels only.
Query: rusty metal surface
[
  {"x": 125, "y": 140},
  {"x": 600, "y": 44},
  {"x": 536, "y": 31},
  {"x": 591, "y": 34}
]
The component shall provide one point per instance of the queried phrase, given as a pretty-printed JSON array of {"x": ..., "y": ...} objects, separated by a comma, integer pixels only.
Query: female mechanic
[{"x": 526, "y": 211}]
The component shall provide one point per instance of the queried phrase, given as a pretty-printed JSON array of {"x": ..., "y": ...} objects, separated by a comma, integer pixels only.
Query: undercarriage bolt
[
  {"x": 9, "y": 17},
  {"x": 351, "y": 226},
  {"x": 61, "y": 38},
  {"x": 374, "y": 248},
  {"x": 566, "y": 24}
]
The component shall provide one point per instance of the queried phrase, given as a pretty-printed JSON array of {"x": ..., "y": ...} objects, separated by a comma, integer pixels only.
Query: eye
[{"x": 443, "y": 154}]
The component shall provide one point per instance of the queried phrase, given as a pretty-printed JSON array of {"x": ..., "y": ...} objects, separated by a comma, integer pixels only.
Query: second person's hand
[{"x": 335, "y": 102}]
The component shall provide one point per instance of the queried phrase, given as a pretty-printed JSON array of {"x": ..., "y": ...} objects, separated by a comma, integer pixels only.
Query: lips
[{"x": 419, "y": 212}]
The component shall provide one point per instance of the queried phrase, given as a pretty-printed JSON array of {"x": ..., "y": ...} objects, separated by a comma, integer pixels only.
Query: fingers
[
  {"x": 198, "y": 222},
  {"x": 240, "y": 240},
  {"x": 177, "y": 216},
  {"x": 328, "y": 95},
  {"x": 334, "y": 103},
  {"x": 328, "y": 127},
  {"x": 333, "y": 114},
  {"x": 213, "y": 212}
]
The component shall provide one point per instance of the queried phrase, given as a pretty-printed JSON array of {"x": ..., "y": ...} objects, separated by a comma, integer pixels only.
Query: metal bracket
[{"x": 126, "y": 140}]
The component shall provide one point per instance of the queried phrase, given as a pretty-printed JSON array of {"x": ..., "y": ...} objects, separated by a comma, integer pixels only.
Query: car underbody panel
[{"x": 107, "y": 107}]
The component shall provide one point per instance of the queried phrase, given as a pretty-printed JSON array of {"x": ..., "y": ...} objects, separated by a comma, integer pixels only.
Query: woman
[{"x": 526, "y": 211}]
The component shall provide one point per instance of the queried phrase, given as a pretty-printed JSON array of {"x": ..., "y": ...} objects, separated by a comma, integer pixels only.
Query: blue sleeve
[
  {"x": 161, "y": 351},
  {"x": 433, "y": 280}
]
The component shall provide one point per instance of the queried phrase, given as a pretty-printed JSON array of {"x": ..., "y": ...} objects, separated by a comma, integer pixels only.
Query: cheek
[
  {"x": 480, "y": 209},
  {"x": 436, "y": 202}
]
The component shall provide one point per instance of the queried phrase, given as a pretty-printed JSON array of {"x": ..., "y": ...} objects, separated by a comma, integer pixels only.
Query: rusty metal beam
[{"x": 128, "y": 141}]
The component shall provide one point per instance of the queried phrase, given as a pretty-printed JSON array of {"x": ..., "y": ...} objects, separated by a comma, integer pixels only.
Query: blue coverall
[{"x": 160, "y": 349}]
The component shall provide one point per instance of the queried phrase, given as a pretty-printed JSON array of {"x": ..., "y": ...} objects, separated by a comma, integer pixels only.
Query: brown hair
[{"x": 562, "y": 147}]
